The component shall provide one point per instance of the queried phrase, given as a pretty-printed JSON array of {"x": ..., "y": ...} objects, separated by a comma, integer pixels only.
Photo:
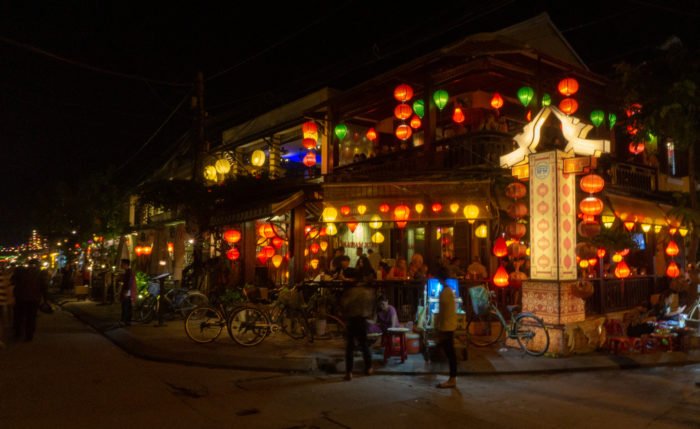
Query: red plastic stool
[{"x": 388, "y": 341}]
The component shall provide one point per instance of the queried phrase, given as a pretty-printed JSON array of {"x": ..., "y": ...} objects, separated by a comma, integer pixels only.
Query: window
[{"x": 671, "y": 156}]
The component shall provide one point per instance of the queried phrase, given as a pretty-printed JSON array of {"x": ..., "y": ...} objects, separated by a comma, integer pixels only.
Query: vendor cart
[{"x": 431, "y": 307}]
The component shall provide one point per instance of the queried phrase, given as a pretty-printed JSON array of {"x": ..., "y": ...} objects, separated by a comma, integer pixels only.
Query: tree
[{"x": 668, "y": 88}]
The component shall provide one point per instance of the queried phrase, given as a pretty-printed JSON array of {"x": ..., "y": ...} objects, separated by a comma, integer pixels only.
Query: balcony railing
[
  {"x": 634, "y": 177},
  {"x": 616, "y": 294}
]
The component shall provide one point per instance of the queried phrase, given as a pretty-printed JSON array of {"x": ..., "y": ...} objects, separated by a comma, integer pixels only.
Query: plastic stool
[{"x": 388, "y": 341}]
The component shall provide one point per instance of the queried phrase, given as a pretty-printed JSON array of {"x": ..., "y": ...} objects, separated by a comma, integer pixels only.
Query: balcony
[{"x": 634, "y": 177}]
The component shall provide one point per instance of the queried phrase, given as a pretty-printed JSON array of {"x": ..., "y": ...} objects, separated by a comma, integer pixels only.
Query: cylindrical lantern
[
  {"x": 441, "y": 97},
  {"x": 232, "y": 236},
  {"x": 568, "y": 87},
  {"x": 223, "y": 166},
  {"x": 403, "y": 93},
  {"x": 496, "y": 101},
  {"x": 500, "y": 278},
  {"x": 568, "y": 106},
  {"x": 403, "y": 132},
  {"x": 257, "y": 158},
  {"x": 592, "y": 183}
]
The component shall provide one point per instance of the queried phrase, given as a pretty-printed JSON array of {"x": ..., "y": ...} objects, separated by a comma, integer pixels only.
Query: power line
[{"x": 88, "y": 66}]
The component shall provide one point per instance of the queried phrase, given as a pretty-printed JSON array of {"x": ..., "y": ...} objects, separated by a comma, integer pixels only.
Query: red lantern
[
  {"x": 138, "y": 250},
  {"x": 516, "y": 190},
  {"x": 436, "y": 207},
  {"x": 672, "y": 270},
  {"x": 516, "y": 230},
  {"x": 517, "y": 278},
  {"x": 568, "y": 87},
  {"x": 232, "y": 236},
  {"x": 401, "y": 213},
  {"x": 592, "y": 262},
  {"x": 636, "y": 148},
  {"x": 403, "y": 132},
  {"x": 458, "y": 115},
  {"x": 624, "y": 252},
  {"x": 601, "y": 252},
  {"x": 568, "y": 106},
  {"x": 591, "y": 206},
  {"x": 262, "y": 258},
  {"x": 266, "y": 230},
  {"x": 589, "y": 229},
  {"x": 371, "y": 134},
  {"x": 384, "y": 208},
  {"x": 672, "y": 248},
  {"x": 634, "y": 109},
  {"x": 415, "y": 122},
  {"x": 517, "y": 210},
  {"x": 352, "y": 225},
  {"x": 310, "y": 159},
  {"x": 500, "y": 248},
  {"x": 309, "y": 143},
  {"x": 501, "y": 277},
  {"x": 277, "y": 242},
  {"x": 403, "y": 93},
  {"x": 345, "y": 210},
  {"x": 592, "y": 183},
  {"x": 309, "y": 128},
  {"x": 403, "y": 111},
  {"x": 496, "y": 101},
  {"x": 233, "y": 254},
  {"x": 622, "y": 271},
  {"x": 314, "y": 248},
  {"x": 269, "y": 251}
]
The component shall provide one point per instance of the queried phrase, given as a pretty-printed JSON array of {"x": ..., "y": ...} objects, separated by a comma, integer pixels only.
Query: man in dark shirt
[
  {"x": 31, "y": 284},
  {"x": 357, "y": 304}
]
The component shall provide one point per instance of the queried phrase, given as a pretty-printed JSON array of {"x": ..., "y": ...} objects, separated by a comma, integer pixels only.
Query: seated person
[
  {"x": 417, "y": 270},
  {"x": 386, "y": 317},
  {"x": 344, "y": 272},
  {"x": 364, "y": 271},
  {"x": 641, "y": 321},
  {"x": 398, "y": 271}
]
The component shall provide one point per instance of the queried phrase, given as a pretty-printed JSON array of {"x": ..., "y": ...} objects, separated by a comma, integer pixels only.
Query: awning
[
  {"x": 259, "y": 210},
  {"x": 645, "y": 211}
]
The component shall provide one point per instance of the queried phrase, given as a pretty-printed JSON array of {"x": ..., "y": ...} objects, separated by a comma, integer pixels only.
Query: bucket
[
  {"x": 320, "y": 327},
  {"x": 412, "y": 343}
]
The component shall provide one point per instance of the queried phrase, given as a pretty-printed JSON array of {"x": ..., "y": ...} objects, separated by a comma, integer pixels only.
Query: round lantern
[
  {"x": 458, "y": 115},
  {"x": 269, "y": 251},
  {"x": 377, "y": 238},
  {"x": 568, "y": 106},
  {"x": 672, "y": 248},
  {"x": 591, "y": 206},
  {"x": 331, "y": 229},
  {"x": 341, "y": 130},
  {"x": 257, "y": 159},
  {"x": 517, "y": 210},
  {"x": 147, "y": 250},
  {"x": 589, "y": 229},
  {"x": 436, "y": 207},
  {"x": 516, "y": 230},
  {"x": 419, "y": 108},
  {"x": 266, "y": 230},
  {"x": 672, "y": 270},
  {"x": 517, "y": 250},
  {"x": 636, "y": 148},
  {"x": 345, "y": 210},
  {"x": 415, "y": 122},
  {"x": 138, "y": 250},
  {"x": 361, "y": 209},
  {"x": 597, "y": 117},
  {"x": 612, "y": 120},
  {"x": 375, "y": 222},
  {"x": 314, "y": 248},
  {"x": 471, "y": 212},
  {"x": 568, "y": 87},
  {"x": 233, "y": 254},
  {"x": 310, "y": 130},
  {"x": 496, "y": 101},
  {"x": 500, "y": 278},
  {"x": 601, "y": 252},
  {"x": 371, "y": 135},
  {"x": 277, "y": 260},
  {"x": 622, "y": 271},
  {"x": 441, "y": 97},
  {"x": 277, "y": 242},
  {"x": 403, "y": 111},
  {"x": 592, "y": 183},
  {"x": 223, "y": 166},
  {"x": 419, "y": 208},
  {"x": 329, "y": 214},
  {"x": 210, "y": 173},
  {"x": 546, "y": 100},
  {"x": 403, "y": 132},
  {"x": 232, "y": 236},
  {"x": 309, "y": 144},
  {"x": 310, "y": 159},
  {"x": 516, "y": 190},
  {"x": 516, "y": 279},
  {"x": 525, "y": 95},
  {"x": 500, "y": 248},
  {"x": 481, "y": 231},
  {"x": 401, "y": 214},
  {"x": 323, "y": 245},
  {"x": 384, "y": 208},
  {"x": 403, "y": 93}
]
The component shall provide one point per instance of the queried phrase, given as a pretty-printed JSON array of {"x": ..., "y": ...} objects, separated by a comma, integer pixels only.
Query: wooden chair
[{"x": 616, "y": 341}]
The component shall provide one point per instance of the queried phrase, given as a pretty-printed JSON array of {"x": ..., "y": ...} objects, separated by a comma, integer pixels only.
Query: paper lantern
[
  {"x": 314, "y": 263},
  {"x": 471, "y": 212},
  {"x": 591, "y": 206},
  {"x": 233, "y": 254},
  {"x": 501, "y": 278},
  {"x": 257, "y": 158},
  {"x": 597, "y": 117},
  {"x": 633, "y": 109},
  {"x": 528, "y": 115},
  {"x": 345, "y": 210},
  {"x": 277, "y": 242},
  {"x": 496, "y": 101},
  {"x": 401, "y": 214},
  {"x": 415, "y": 122},
  {"x": 568, "y": 86},
  {"x": 261, "y": 257},
  {"x": 516, "y": 190},
  {"x": 361, "y": 209},
  {"x": 223, "y": 166},
  {"x": 310, "y": 130},
  {"x": 309, "y": 144},
  {"x": 419, "y": 208},
  {"x": 419, "y": 108},
  {"x": 323, "y": 244},
  {"x": 403, "y": 93},
  {"x": 403, "y": 132},
  {"x": 481, "y": 231},
  {"x": 592, "y": 183},
  {"x": 546, "y": 100},
  {"x": 516, "y": 230},
  {"x": 583, "y": 263},
  {"x": 377, "y": 238},
  {"x": 331, "y": 229},
  {"x": 329, "y": 214},
  {"x": 352, "y": 225},
  {"x": 525, "y": 95},
  {"x": 589, "y": 229},
  {"x": 517, "y": 278},
  {"x": 683, "y": 231},
  {"x": 341, "y": 130},
  {"x": 138, "y": 250},
  {"x": 646, "y": 227},
  {"x": 629, "y": 225},
  {"x": 277, "y": 260},
  {"x": 436, "y": 207},
  {"x": 593, "y": 262},
  {"x": 454, "y": 208},
  {"x": 371, "y": 135},
  {"x": 517, "y": 250},
  {"x": 568, "y": 106},
  {"x": 612, "y": 120},
  {"x": 232, "y": 236},
  {"x": 672, "y": 270},
  {"x": 622, "y": 271},
  {"x": 210, "y": 173},
  {"x": 624, "y": 252},
  {"x": 314, "y": 248},
  {"x": 636, "y": 148},
  {"x": 600, "y": 252},
  {"x": 269, "y": 251},
  {"x": 616, "y": 257},
  {"x": 384, "y": 208},
  {"x": 441, "y": 97},
  {"x": 500, "y": 248},
  {"x": 672, "y": 248},
  {"x": 310, "y": 159},
  {"x": 403, "y": 111},
  {"x": 517, "y": 210},
  {"x": 458, "y": 115},
  {"x": 375, "y": 222}
]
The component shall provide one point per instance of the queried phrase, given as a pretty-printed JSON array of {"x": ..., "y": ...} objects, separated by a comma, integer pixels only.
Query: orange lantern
[
  {"x": 500, "y": 247},
  {"x": 147, "y": 250},
  {"x": 277, "y": 242},
  {"x": 622, "y": 271},
  {"x": 403, "y": 93},
  {"x": 601, "y": 252},
  {"x": 262, "y": 257},
  {"x": 528, "y": 115},
  {"x": 592, "y": 262},
  {"x": 496, "y": 101},
  {"x": 309, "y": 143},
  {"x": 591, "y": 206},
  {"x": 516, "y": 190},
  {"x": 233, "y": 254},
  {"x": 310, "y": 159},
  {"x": 568, "y": 106},
  {"x": 403, "y": 111},
  {"x": 436, "y": 207},
  {"x": 371, "y": 134},
  {"x": 672, "y": 270},
  {"x": 277, "y": 260},
  {"x": 323, "y": 245},
  {"x": 458, "y": 115},
  {"x": 568, "y": 86},
  {"x": 415, "y": 122},
  {"x": 384, "y": 208},
  {"x": 592, "y": 183},
  {"x": 403, "y": 132},
  {"x": 401, "y": 213},
  {"x": 636, "y": 148},
  {"x": 232, "y": 236},
  {"x": 345, "y": 210},
  {"x": 309, "y": 129},
  {"x": 138, "y": 250},
  {"x": 352, "y": 225},
  {"x": 269, "y": 251},
  {"x": 500, "y": 278},
  {"x": 624, "y": 252},
  {"x": 314, "y": 248},
  {"x": 516, "y": 230},
  {"x": 266, "y": 230},
  {"x": 171, "y": 246},
  {"x": 672, "y": 248},
  {"x": 629, "y": 225},
  {"x": 588, "y": 229},
  {"x": 517, "y": 210}
]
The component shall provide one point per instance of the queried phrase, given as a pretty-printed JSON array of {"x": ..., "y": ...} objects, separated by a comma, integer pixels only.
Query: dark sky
[{"x": 123, "y": 68}]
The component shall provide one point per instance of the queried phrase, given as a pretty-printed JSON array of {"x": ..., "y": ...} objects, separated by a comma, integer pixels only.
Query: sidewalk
[{"x": 280, "y": 353}]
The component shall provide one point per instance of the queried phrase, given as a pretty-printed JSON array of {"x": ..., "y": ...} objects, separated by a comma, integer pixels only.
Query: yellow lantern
[
  {"x": 306, "y": 252},
  {"x": 361, "y": 209},
  {"x": 471, "y": 212},
  {"x": 657, "y": 228},
  {"x": 210, "y": 173},
  {"x": 454, "y": 208},
  {"x": 646, "y": 227},
  {"x": 257, "y": 158},
  {"x": 419, "y": 208},
  {"x": 482, "y": 231},
  {"x": 277, "y": 260},
  {"x": 323, "y": 245},
  {"x": 616, "y": 257},
  {"x": 331, "y": 229},
  {"x": 329, "y": 214},
  {"x": 607, "y": 221},
  {"x": 378, "y": 238},
  {"x": 314, "y": 263},
  {"x": 583, "y": 263},
  {"x": 683, "y": 231},
  {"x": 223, "y": 166},
  {"x": 375, "y": 222}
]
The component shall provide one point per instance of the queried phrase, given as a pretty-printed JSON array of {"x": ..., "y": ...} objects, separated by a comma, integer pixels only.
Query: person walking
[
  {"x": 31, "y": 285},
  {"x": 128, "y": 292},
  {"x": 446, "y": 326},
  {"x": 357, "y": 304}
]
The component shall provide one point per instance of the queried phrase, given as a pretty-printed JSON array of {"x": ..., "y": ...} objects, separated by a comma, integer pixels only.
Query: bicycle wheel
[
  {"x": 485, "y": 329},
  {"x": 694, "y": 313},
  {"x": 148, "y": 310},
  {"x": 204, "y": 324},
  {"x": 248, "y": 326},
  {"x": 293, "y": 323},
  {"x": 192, "y": 301},
  {"x": 531, "y": 334}
]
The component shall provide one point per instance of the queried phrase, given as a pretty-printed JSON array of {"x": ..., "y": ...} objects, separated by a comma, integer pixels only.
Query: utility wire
[{"x": 59, "y": 58}]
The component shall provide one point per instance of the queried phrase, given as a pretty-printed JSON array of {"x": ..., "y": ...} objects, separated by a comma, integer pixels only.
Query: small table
[{"x": 388, "y": 340}]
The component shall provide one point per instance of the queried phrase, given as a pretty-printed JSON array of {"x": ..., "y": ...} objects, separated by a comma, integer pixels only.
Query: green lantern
[
  {"x": 546, "y": 100},
  {"x": 419, "y": 108},
  {"x": 612, "y": 119},
  {"x": 597, "y": 117},
  {"x": 525, "y": 95},
  {"x": 341, "y": 130},
  {"x": 441, "y": 97}
]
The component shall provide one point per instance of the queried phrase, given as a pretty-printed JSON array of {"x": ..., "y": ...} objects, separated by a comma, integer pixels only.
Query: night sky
[{"x": 84, "y": 85}]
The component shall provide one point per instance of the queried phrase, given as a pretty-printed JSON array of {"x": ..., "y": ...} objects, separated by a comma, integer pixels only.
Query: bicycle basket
[
  {"x": 153, "y": 288},
  {"x": 291, "y": 298},
  {"x": 480, "y": 299}
]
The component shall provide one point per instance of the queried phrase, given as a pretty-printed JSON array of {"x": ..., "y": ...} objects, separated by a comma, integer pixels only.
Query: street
[{"x": 72, "y": 377}]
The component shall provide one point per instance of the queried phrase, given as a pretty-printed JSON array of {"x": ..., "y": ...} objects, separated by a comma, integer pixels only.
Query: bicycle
[
  {"x": 526, "y": 328},
  {"x": 205, "y": 323},
  {"x": 693, "y": 313}
]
